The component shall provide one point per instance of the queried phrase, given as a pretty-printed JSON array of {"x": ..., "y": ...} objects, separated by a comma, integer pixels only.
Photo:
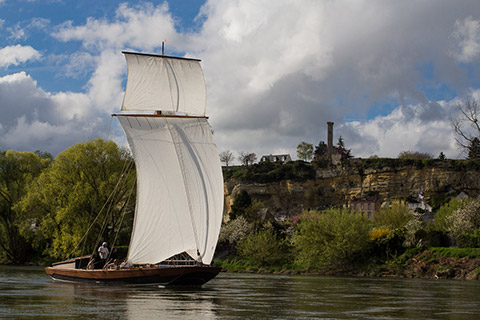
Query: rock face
[{"x": 337, "y": 186}]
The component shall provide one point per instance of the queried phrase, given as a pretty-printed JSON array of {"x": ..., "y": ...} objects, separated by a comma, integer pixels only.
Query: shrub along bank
[{"x": 337, "y": 241}]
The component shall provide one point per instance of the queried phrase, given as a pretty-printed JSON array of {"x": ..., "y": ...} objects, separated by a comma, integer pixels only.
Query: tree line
[{"x": 47, "y": 205}]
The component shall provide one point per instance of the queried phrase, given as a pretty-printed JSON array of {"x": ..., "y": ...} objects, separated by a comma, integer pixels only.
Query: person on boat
[
  {"x": 112, "y": 265},
  {"x": 113, "y": 254},
  {"x": 103, "y": 253},
  {"x": 125, "y": 265}
]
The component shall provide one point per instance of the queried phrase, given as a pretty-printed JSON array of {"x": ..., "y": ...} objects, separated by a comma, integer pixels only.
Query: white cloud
[
  {"x": 142, "y": 26},
  {"x": 277, "y": 71},
  {"x": 404, "y": 129},
  {"x": 14, "y": 55},
  {"x": 34, "y": 119},
  {"x": 467, "y": 34}
]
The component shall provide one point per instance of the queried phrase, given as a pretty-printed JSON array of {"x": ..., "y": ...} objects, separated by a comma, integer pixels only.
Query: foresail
[
  {"x": 164, "y": 83},
  {"x": 179, "y": 188}
]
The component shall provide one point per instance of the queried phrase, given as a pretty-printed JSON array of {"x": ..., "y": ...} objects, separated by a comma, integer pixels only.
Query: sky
[{"x": 388, "y": 73}]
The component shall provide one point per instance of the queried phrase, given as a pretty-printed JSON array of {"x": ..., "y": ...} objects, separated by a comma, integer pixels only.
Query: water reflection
[
  {"x": 171, "y": 304},
  {"x": 29, "y": 293}
]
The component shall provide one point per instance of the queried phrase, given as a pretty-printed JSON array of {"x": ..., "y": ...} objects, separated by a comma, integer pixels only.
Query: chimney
[{"x": 330, "y": 140}]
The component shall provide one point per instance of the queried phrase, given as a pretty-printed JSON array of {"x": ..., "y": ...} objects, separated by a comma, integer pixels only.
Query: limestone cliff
[{"x": 339, "y": 185}]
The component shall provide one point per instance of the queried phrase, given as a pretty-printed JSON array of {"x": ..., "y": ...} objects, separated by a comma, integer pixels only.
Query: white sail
[
  {"x": 179, "y": 188},
  {"x": 164, "y": 83}
]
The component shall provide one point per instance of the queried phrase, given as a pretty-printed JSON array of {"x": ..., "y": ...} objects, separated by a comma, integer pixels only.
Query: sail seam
[{"x": 176, "y": 84}]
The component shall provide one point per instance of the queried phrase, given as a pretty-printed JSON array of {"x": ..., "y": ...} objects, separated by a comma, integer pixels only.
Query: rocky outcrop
[{"x": 337, "y": 186}]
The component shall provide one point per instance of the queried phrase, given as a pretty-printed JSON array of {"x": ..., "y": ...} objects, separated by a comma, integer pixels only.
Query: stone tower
[{"x": 330, "y": 140}]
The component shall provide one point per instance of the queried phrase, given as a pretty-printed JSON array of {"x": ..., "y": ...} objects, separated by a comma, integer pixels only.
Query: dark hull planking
[{"x": 168, "y": 276}]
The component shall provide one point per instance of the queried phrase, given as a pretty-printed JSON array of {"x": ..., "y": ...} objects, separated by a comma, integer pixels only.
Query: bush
[
  {"x": 263, "y": 248},
  {"x": 466, "y": 240},
  {"x": 384, "y": 243},
  {"x": 333, "y": 238},
  {"x": 414, "y": 155},
  {"x": 441, "y": 217},
  {"x": 465, "y": 219},
  {"x": 395, "y": 217},
  {"x": 235, "y": 231},
  {"x": 241, "y": 202}
]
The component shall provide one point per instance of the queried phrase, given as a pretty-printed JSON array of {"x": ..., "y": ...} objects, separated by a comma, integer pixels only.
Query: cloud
[
  {"x": 33, "y": 119},
  {"x": 140, "y": 26},
  {"x": 277, "y": 71},
  {"x": 467, "y": 36},
  {"x": 14, "y": 55},
  {"x": 404, "y": 129}
]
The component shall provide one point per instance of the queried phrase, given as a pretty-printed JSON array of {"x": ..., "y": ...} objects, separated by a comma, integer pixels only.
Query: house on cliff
[
  {"x": 282, "y": 158},
  {"x": 364, "y": 205}
]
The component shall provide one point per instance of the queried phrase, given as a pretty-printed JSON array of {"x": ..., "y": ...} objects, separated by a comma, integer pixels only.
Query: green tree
[
  {"x": 474, "y": 149},
  {"x": 441, "y": 222},
  {"x": 263, "y": 248},
  {"x": 395, "y": 217},
  {"x": 305, "y": 151},
  {"x": 414, "y": 155},
  {"x": 67, "y": 198},
  {"x": 241, "y": 202},
  {"x": 333, "y": 238},
  {"x": 401, "y": 223},
  {"x": 17, "y": 171}
]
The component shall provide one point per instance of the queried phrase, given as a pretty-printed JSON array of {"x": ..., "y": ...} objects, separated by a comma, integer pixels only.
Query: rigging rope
[{"x": 126, "y": 168}]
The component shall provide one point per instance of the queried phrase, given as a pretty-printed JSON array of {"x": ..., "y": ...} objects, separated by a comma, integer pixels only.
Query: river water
[{"x": 28, "y": 293}]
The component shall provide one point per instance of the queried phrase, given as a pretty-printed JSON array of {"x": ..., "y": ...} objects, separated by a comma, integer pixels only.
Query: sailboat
[{"x": 179, "y": 203}]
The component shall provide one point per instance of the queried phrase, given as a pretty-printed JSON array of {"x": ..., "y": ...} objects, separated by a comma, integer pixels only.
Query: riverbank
[{"x": 432, "y": 263}]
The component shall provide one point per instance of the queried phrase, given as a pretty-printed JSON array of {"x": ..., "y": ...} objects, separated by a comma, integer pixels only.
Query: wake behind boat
[{"x": 179, "y": 205}]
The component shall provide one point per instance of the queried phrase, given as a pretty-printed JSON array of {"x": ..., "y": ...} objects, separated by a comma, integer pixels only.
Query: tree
[
  {"x": 17, "y": 171},
  {"x": 321, "y": 150},
  {"x": 241, "y": 202},
  {"x": 474, "y": 149},
  {"x": 414, "y": 155},
  {"x": 467, "y": 126},
  {"x": 332, "y": 238},
  {"x": 305, "y": 151},
  {"x": 85, "y": 180},
  {"x": 263, "y": 248},
  {"x": 441, "y": 222},
  {"x": 226, "y": 157},
  {"x": 235, "y": 231},
  {"x": 442, "y": 156},
  {"x": 247, "y": 158},
  {"x": 465, "y": 219},
  {"x": 395, "y": 217}
]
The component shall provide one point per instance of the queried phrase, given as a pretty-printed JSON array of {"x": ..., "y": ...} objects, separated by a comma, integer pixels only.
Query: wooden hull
[{"x": 166, "y": 276}]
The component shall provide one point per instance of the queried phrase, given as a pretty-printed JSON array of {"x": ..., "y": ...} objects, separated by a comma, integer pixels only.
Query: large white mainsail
[{"x": 179, "y": 179}]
